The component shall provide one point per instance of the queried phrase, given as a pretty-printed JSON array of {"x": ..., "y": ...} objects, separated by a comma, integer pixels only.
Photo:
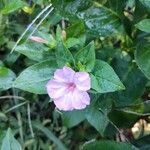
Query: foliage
[{"x": 108, "y": 39}]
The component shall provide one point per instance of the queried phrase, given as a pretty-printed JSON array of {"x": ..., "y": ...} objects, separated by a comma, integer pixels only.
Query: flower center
[{"x": 71, "y": 86}]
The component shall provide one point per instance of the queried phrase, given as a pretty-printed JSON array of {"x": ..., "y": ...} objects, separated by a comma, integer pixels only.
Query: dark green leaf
[
  {"x": 104, "y": 79},
  {"x": 88, "y": 62},
  {"x": 146, "y": 3},
  {"x": 73, "y": 118},
  {"x": 63, "y": 55},
  {"x": 107, "y": 145},
  {"x": 6, "y": 78},
  {"x": 34, "y": 78},
  {"x": 9, "y": 142},
  {"x": 100, "y": 20},
  {"x": 144, "y": 25},
  {"x": 142, "y": 56},
  {"x": 97, "y": 118}
]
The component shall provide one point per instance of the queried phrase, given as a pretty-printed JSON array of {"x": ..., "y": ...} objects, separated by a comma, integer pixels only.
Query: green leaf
[
  {"x": 35, "y": 51},
  {"x": 107, "y": 145},
  {"x": 146, "y": 3},
  {"x": 144, "y": 25},
  {"x": 6, "y": 78},
  {"x": 12, "y": 6},
  {"x": 97, "y": 118},
  {"x": 63, "y": 55},
  {"x": 142, "y": 57},
  {"x": 104, "y": 79},
  {"x": 73, "y": 118},
  {"x": 34, "y": 78},
  {"x": 9, "y": 142},
  {"x": 86, "y": 57},
  {"x": 100, "y": 20}
]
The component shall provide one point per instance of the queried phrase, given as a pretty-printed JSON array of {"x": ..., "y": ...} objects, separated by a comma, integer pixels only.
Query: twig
[
  {"x": 12, "y": 96},
  {"x": 16, "y": 106},
  {"x": 40, "y": 22},
  {"x": 29, "y": 120},
  {"x": 20, "y": 38}
]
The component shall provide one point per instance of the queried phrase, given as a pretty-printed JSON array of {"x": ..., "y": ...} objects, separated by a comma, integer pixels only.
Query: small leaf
[
  {"x": 34, "y": 78},
  {"x": 73, "y": 118},
  {"x": 104, "y": 79},
  {"x": 12, "y": 6},
  {"x": 63, "y": 55},
  {"x": 144, "y": 25},
  {"x": 107, "y": 145},
  {"x": 86, "y": 57},
  {"x": 6, "y": 78},
  {"x": 142, "y": 57},
  {"x": 9, "y": 142}
]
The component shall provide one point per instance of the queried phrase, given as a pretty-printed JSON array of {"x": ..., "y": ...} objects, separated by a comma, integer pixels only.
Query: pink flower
[
  {"x": 38, "y": 39},
  {"x": 68, "y": 89}
]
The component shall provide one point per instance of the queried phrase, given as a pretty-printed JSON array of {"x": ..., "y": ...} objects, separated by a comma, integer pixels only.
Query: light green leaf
[
  {"x": 9, "y": 142},
  {"x": 73, "y": 118},
  {"x": 142, "y": 57},
  {"x": 104, "y": 79},
  {"x": 12, "y": 6},
  {"x": 34, "y": 78},
  {"x": 86, "y": 57},
  {"x": 35, "y": 51},
  {"x": 6, "y": 78},
  {"x": 144, "y": 25},
  {"x": 107, "y": 145}
]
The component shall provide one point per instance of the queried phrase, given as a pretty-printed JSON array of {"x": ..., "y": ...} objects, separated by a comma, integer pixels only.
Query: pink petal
[
  {"x": 64, "y": 103},
  {"x": 82, "y": 81},
  {"x": 80, "y": 99},
  {"x": 56, "y": 89},
  {"x": 64, "y": 75},
  {"x": 38, "y": 39}
]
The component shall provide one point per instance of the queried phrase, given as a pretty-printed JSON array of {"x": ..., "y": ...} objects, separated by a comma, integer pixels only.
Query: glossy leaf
[
  {"x": 100, "y": 20},
  {"x": 88, "y": 62},
  {"x": 144, "y": 25},
  {"x": 142, "y": 56},
  {"x": 35, "y": 78},
  {"x": 6, "y": 78},
  {"x": 104, "y": 79},
  {"x": 107, "y": 145},
  {"x": 9, "y": 142}
]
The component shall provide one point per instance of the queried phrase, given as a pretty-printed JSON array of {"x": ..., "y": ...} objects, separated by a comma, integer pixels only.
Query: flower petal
[
  {"x": 56, "y": 89},
  {"x": 82, "y": 81},
  {"x": 64, "y": 103},
  {"x": 64, "y": 75},
  {"x": 80, "y": 99},
  {"x": 38, "y": 39}
]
